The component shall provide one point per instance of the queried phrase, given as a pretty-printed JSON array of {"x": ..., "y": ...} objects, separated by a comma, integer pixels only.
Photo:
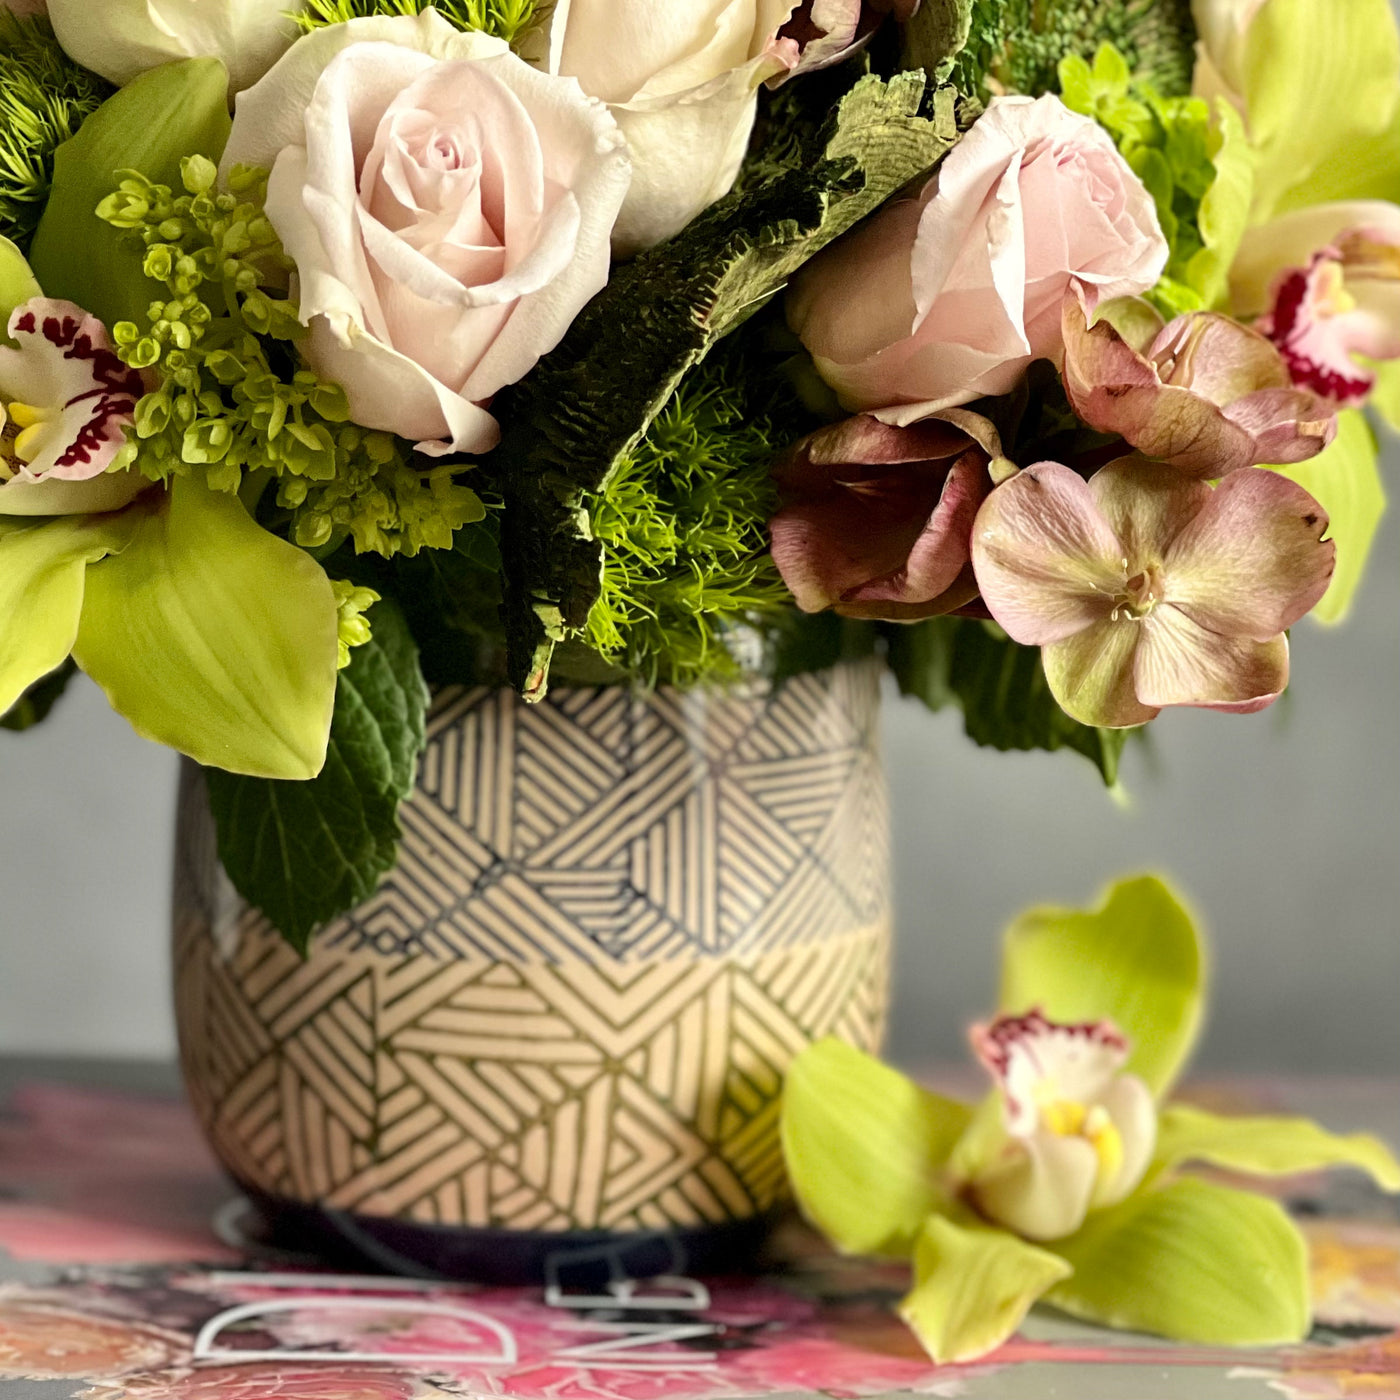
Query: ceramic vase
[{"x": 555, "y": 1037}]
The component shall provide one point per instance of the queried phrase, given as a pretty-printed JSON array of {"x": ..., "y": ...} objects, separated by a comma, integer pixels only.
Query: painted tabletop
[{"x": 127, "y": 1272}]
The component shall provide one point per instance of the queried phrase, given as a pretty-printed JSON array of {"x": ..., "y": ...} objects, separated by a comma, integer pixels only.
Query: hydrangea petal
[
  {"x": 1253, "y": 561},
  {"x": 1090, "y": 674},
  {"x": 1047, "y": 562},
  {"x": 1179, "y": 662}
]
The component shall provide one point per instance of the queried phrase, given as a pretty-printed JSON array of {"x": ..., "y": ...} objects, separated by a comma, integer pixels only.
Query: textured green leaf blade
[
  {"x": 17, "y": 283},
  {"x": 214, "y": 637},
  {"x": 304, "y": 852},
  {"x": 43, "y": 567},
  {"x": 864, "y": 1146},
  {"x": 176, "y": 110},
  {"x": 592, "y": 398},
  {"x": 1346, "y": 58},
  {"x": 1194, "y": 1262},
  {"x": 1345, "y": 479},
  {"x": 1268, "y": 1146},
  {"x": 1000, "y": 688},
  {"x": 1137, "y": 960},
  {"x": 1224, "y": 212},
  {"x": 973, "y": 1287}
]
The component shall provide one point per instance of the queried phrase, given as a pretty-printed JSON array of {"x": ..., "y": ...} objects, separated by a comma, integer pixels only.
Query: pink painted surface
[{"x": 119, "y": 1191}]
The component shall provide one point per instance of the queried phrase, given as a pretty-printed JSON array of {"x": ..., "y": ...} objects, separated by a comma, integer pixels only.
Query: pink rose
[
  {"x": 946, "y": 297},
  {"x": 448, "y": 209}
]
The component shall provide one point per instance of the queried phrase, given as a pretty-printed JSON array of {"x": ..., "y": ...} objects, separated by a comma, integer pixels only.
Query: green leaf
[
  {"x": 43, "y": 565},
  {"x": 1385, "y": 397},
  {"x": 1267, "y": 1146},
  {"x": 1137, "y": 960},
  {"x": 17, "y": 283},
  {"x": 35, "y": 705},
  {"x": 588, "y": 403},
  {"x": 1224, "y": 211},
  {"x": 305, "y": 852},
  {"x": 1194, "y": 1262},
  {"x": 973, "y": 1287},
  {"x": 1344, "y": 58},
  {"x": 214, "y": 637},
  {"x": 936, "y": 35},
  {"x": 177, "y": 110},
  {"x": 1000, "y": 687},
  {"x": 864, "y": 1148},
  {"x": 1345, "y": 479}
]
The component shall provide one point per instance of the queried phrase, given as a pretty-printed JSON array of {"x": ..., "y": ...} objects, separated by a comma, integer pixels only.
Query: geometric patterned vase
[{"x": 560, "y": 1025}]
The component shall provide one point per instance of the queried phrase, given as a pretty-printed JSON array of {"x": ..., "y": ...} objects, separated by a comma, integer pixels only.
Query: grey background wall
[{"x": 1282, "y": 828}]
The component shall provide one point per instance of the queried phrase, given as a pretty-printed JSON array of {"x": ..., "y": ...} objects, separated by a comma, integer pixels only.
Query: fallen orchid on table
[
  {"x": 1066, "y": 1184},
  {"x": 351, "y": 346}
]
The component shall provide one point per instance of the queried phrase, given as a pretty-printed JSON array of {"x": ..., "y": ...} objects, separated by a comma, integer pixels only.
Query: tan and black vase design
[{"x": 561, "y": 1024}]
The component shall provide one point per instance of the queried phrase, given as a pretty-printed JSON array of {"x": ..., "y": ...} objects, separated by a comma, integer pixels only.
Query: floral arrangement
[
  {"x": 358, "y": 346},
  {"x": 1066, "y": 1182}
]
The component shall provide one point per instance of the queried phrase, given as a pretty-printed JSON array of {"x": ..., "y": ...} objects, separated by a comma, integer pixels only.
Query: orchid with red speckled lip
[
  {"x": 1202, "y": 393},
  {"x": 1079, "y": 1132},
  {"x": 65, "y": 399},
  {"x": 1145, "y": 587},
  {"x": 1325, "y": 284}
]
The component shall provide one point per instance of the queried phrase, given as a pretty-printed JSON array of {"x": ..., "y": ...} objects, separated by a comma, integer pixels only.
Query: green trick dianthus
[
  {"x": 506, "y": 19},
  {"x": 44, "y": 98}
]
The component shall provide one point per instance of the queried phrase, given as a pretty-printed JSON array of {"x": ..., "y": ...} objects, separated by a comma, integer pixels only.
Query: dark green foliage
[
  {"x": 44, "y": 98},
  {"x": 34, "y": 705},
  {"x": 1000, "y": 687},
  {"x": 1017, "y": 45},
  {"x": 571, "y": 424},
  {"x": 303, "y": 852},
  {"x": 507, "y": 19}
]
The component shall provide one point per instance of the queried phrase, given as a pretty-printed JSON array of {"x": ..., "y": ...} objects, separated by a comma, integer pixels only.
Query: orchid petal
[
  {"x": 1253, "y": 561},
  {"x": 1090, "y": 674},
  {"x": 1136, "y": 959},
  {"x": 864, "y": 1147},
  {"x": 1129, "y": 1104},
  {"x": 17, "y": 282},
  {"x": 1182, "y": 663},
  {"x": 1040, "y": 1186},
  {"x": 1046, "y": 560},
  {"x": 42, "y": 570},
  {"x": 214, "y": 637},
  {"x": 973, "y": 1287},
  {"x": 1346, "y": 482},
  {"x": 1268, "y": 1146},
  {"x": 1194, "y": 1262}
]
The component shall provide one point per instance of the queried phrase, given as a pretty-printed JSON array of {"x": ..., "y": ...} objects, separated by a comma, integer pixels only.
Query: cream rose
[
  {"x": 122, "y": 38},
  {"x": 682, "y": 79},
  {"x": 948, "y": 296},
  {"x": 448, "y": 209}
]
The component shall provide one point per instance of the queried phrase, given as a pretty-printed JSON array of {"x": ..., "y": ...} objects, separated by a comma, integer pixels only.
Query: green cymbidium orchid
[
  {"x": 206, "y": 632},
  {"x": 1098, "y": 1014}
]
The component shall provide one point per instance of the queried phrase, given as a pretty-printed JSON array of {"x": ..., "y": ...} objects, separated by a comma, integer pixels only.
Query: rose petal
[
  {"x": 1179, "y": 662},
  {"x": 1091, "y": 675},
  {"x": 1046, "y": 559},
  {"x": 1253, "y": 561}
]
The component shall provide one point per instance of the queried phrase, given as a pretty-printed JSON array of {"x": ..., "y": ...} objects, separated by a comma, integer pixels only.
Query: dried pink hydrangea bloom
[
  {"x": 1078, "y": 1131},
  {"x": 1203, "y": 393},
  {"x": 820, "y": 33},
  {"x": 65, "y": 400},
  {"x": 1146, "y": 587},
  {"x": 877, "y": 520}
]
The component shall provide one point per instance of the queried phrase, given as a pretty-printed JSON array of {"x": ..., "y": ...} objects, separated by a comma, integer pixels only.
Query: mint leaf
[
  {"x": 304, "y": 852},
  {"x": 1000, "y": 687},
  {"x": 588, "y": 403}
]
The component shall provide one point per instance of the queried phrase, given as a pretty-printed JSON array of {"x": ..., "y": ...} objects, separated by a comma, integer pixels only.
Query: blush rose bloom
[
  {"x": 121, "y": 39},
  {"x": 682, "y": 78},
  {"x": 448, "y": 209},
  {"x": 947, "y": 297}
]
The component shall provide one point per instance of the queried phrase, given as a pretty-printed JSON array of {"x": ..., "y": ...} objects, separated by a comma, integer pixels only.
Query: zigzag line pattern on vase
[{"x": 615, "y": 920}]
